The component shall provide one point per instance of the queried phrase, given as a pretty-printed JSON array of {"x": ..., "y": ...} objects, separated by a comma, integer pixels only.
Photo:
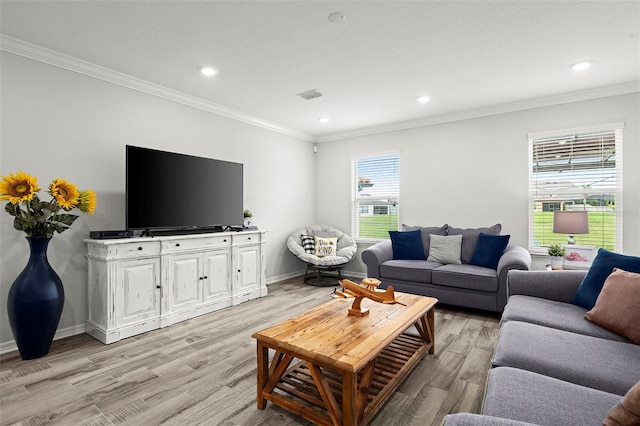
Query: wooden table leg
[
  {"x": 349, "y": 399},
  {"x": 431, "y": 330},
  {"x": 263, "y": 374}
]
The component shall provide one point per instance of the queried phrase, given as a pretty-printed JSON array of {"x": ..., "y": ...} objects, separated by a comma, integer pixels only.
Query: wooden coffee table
[{"x": 335, "y": 369}]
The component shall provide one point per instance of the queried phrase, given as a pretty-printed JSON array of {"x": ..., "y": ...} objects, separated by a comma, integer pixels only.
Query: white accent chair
[{"x": 345, "y": 251}]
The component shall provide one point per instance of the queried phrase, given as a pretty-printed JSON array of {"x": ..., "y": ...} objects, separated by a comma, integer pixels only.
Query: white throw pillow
[
  {"x": 326, "y": 246},
  {"x": 445, "y": 249}
]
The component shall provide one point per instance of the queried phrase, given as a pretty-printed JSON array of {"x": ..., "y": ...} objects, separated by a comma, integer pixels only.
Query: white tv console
[{"x": 140, "y": 284}]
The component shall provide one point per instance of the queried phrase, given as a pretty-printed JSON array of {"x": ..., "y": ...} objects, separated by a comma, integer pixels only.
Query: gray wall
[
  {"x": 57, "y": 123},
  {"x": 474, "y": 172}
]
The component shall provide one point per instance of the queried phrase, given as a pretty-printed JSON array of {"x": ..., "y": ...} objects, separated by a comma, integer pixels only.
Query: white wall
[
  {"x": 474, "y": 172},
  {"x": 57, "y": 123}
]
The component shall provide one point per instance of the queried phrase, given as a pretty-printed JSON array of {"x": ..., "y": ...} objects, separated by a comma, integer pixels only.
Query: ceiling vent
[{"x": 311, "y": 94}]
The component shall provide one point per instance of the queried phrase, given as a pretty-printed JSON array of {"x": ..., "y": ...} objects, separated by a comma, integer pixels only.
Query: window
[
  {"x": 576, "y": 170},
  {"x": 375, "y": 196}
]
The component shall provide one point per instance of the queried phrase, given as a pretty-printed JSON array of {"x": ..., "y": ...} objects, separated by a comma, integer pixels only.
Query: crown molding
[
  {"x": 582, "y": 95},
  {"x": 37, "y": 53}
]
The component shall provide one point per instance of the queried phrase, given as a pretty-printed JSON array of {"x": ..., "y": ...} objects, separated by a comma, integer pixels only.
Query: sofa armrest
[
  {"x": 375, "y": 255},
  {"x": 470, "y": 419},
  {"x": 553, "y": 285},
  {"x": 514, "y": 257}
]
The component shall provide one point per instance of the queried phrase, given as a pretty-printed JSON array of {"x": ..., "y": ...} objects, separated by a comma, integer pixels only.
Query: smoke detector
[
  {"x": 310, "y": 94},
  {"x": 336, "y": 18}
]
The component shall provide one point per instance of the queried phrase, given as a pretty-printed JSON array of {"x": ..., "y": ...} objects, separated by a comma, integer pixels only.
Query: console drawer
[
  {"x": 143, "y": 248},
  {"x": 178, "y": 245},
  {"x": 246, "y": 239}
]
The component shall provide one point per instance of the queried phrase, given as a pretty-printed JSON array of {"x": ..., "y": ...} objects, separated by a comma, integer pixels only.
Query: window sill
[{"x": 367, "y": 242}]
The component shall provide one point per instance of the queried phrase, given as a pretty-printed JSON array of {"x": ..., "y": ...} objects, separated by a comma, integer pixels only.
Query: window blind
[
  {"x": 580, "y": 170},
  {"x": 375, "y": 207}
]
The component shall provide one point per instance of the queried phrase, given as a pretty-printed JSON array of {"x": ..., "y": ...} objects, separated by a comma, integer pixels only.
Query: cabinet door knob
[
  {"x": 224, "y": 241},
  {"x": 249, "y": 238},
  {"x": 200, "y": 278},
  {"x": 239, "y": 270},
  {"x": 139, "y": 248},
  {"x": 158, "y": 286},
  {"x": 177, "y": 244},
  {"x": 205, "y": 277}
]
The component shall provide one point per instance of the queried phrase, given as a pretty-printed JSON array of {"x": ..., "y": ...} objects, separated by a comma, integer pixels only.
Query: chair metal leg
[{"x": 306, "y": 273}]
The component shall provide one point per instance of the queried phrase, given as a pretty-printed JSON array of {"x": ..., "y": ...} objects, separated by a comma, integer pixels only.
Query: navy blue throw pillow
[
  {"x": 489, "y": 250},
  {"x": 600, "y": 269},
  {"x": 407, "y": 245}
]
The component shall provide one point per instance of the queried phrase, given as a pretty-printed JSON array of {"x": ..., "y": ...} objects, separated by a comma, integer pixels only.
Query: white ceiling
[{"x": 464, "y": 54}]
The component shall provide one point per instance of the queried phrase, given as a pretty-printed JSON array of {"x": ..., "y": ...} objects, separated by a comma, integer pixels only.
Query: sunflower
[
  {"x": 65, "y": 193},
  {"x": 18, "y": 187},
  {"x": 87, "y": 202}
]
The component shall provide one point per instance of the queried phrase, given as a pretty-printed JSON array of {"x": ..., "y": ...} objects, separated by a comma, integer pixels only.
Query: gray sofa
[
  {"x": 461, "y": 285},
  {"x": 550, "y": 365}
]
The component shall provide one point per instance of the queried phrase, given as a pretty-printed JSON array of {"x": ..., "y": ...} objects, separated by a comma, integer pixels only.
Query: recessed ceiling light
[
  {"x": 323, "y": 119},
  {"x": 208, "y": 71},
  {"x": 582, "y": 65},
  {"x": 423, "y": 99}
]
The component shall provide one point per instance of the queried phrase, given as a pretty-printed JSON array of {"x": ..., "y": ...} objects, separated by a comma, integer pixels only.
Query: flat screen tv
[{"x": 167, "y": 191}]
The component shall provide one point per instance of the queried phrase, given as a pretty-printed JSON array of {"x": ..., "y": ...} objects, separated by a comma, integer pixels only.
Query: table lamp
[{"x": 570, "y": 223}]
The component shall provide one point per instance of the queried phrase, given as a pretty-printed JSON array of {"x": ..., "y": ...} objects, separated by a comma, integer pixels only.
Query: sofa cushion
[
  {"x": 530, "y": 397},
  {"x": 566, "y": 316},
  {"x": 489, "y": 249},
  {"x": 469, "y": 277},
  {"x": 600, "y": 269},
  {"x": 618, "y": 305},
  {"x": 445, "y": 249},
  {"x": 408, "y": 270},
  {"x": 406, "y": 245},
  {"x": 472, "y": 419},
  {"x": 424, "y": 234},
  {"x": 470, "y": 238},
  {"x": 584, "y": 360},
  {"x": 626, "y": 412}
]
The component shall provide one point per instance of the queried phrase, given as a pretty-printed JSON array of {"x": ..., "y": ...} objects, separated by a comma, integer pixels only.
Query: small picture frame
[{"x": 578, "y": 257}]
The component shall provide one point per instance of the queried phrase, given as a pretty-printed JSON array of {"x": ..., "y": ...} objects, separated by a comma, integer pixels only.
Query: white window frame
[
  {"x": 618, "y": 193},
  {"x": 355, "y": 206}
]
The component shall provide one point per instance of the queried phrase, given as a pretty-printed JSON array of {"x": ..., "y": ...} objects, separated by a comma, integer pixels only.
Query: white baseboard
[
  {"x": 284, "y": 277},
  {"x": 11, "y": 346}
]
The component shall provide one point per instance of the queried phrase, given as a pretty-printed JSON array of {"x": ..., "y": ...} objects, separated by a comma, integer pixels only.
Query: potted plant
[
  {"x": 557, "y": 256},
  {"x": 248, "y": 222}
]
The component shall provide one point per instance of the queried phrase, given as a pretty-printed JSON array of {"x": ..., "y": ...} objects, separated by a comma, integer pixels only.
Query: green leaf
[
  {"x": 12, "y": 209},
  {"x": 21, "y": 224},
  {"x": 58, "y": 227},
  {"x": 66, "y": 219}
]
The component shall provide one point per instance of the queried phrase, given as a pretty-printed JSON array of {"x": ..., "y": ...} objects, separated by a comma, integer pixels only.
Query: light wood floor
[{"x": 202, "y": 371}]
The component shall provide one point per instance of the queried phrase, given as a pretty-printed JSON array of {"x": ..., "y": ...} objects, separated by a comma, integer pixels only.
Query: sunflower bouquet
[{"x": 43, "y": 218}]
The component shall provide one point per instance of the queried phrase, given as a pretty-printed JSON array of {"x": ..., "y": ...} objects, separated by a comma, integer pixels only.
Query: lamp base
[{"x": 571, "y": 239}]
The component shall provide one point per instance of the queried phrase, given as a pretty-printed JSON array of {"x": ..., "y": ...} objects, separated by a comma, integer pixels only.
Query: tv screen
[{"x": 166, "y": 190}]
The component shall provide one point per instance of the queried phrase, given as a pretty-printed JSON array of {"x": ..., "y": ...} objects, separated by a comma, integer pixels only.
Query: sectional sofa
[
  {"x": 476, "y": 278},
  {"x": 551, "y": 366}
]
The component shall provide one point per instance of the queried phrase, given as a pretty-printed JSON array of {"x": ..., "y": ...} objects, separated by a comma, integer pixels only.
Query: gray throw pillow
[
  {"x": 425, "y": 232},
  {"x": 445, "y": 249},
  {"x": 470, "y": 238}
]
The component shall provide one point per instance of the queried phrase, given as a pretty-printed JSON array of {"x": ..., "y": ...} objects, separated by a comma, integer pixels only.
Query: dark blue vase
[{"x": 35, "y": 302}]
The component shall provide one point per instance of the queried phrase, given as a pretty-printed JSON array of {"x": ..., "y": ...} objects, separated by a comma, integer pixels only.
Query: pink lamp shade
[{"x": 570, "y": 223}]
